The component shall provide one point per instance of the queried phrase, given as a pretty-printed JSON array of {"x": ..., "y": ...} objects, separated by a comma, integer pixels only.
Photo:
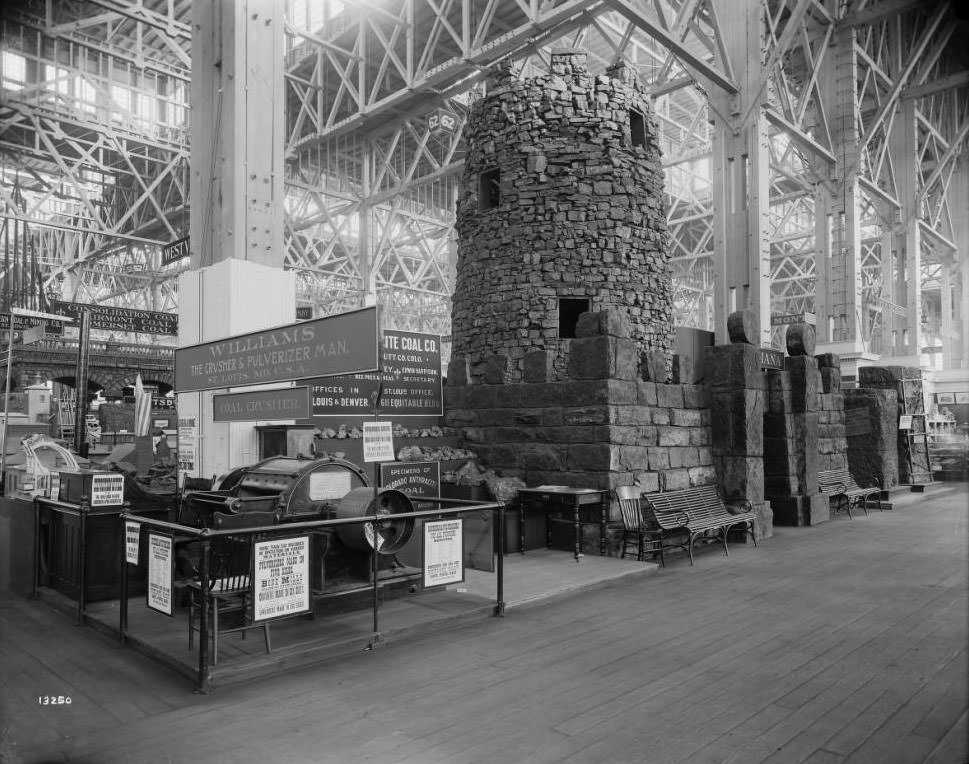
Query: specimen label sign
[
  {"x": 284, "y": 403},
  {"x": 413, "y": 479},
  {"x": 340, "y": 344}
]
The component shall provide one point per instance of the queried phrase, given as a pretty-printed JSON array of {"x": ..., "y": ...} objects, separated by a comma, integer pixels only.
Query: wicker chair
[{"x": 636, "y": 528}]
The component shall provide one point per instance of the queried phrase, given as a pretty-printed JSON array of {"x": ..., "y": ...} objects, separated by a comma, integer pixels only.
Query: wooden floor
[{"x": 846, "y": 642}]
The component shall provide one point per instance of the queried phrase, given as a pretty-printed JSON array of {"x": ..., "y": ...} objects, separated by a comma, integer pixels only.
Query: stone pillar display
[
  {"x": 871, "y": 428},
  {"x": 735, "y": 387},
  {"x": 912, "y": 458},
  {"x": 791, "y": 434}
]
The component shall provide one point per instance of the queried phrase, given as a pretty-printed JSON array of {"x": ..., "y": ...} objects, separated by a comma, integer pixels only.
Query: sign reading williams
[
  {"x": 342, "y": 344},
  {"x": 119, "y": 319},
  {"x": 411, "y": 366},
  {"x": 285, "y": 403}
]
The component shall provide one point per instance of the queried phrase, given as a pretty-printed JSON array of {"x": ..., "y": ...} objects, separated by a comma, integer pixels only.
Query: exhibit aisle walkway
[{"x": 846, "y": 642}]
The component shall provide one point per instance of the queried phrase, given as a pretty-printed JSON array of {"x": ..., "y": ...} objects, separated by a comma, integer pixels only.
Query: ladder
[
  {"x": 914, "y": 466},
  {"x": 66, "y": 408}
]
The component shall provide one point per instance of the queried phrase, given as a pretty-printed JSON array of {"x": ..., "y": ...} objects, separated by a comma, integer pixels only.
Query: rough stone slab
[
  {"x": 646, "y": 393},
  {"x": 672, "y": 480},
  {"x": 733, "y": 366},
  {"x": 537, "y": 366},
  {"x": 669, "y": 396}
]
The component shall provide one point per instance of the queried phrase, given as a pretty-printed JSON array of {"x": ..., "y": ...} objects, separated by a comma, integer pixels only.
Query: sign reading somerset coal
[
  {"x": 342, "y": 344},
  {"x": 411, "y": 365},
  {"x": 119, "y": 319}
]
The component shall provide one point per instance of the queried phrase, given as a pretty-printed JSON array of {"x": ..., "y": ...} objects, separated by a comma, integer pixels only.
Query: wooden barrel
[{"x": 359, "y": 502}]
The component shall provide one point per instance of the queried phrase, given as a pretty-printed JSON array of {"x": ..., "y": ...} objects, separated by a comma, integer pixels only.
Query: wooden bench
[
  {"x": 696, "y": 512},
  {"x": 841, "y": 486}
]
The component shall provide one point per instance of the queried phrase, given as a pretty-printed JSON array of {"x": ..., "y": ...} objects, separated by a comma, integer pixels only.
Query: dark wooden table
[{"x": 567, "y": 500}]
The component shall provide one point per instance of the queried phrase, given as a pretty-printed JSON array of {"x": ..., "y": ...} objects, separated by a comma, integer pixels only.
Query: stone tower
[{"x": 561, "y": 213}]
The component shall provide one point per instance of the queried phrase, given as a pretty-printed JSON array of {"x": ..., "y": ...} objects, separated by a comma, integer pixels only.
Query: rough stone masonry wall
[
  {"x": 600, "y": 428},
  {"x": 832, "y": 441},
  {"x": 580, "y": 215}
]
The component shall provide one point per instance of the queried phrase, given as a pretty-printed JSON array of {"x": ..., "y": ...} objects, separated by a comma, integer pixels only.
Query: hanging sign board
[
  {"x": 378, "y": 441},
  {"x": 284, "y": 403},
  {"x": 771, "y": 359},
  {"x": 945, "y": 399},
  {"x": 280, "y": 578},
  {"x": 107, "y": 489},
  {"x": 413, "y": 479},
  {"x": 162, "y": 402},
  {"x": 132, "y": 535},
  {"x": 23, "y": 323},
  {"x": 119, "y": 319},
  {"x": 781, "y": 319},
  {"x": 443, "y": 559},
  {"x": 342, "y": 344},
  {"x": 411, "y": 365},
  {"x": 905, "y": 422},
  {"x": 161, "y": 564},
  {"x": 962, "y": 398},
  {"x": 174, "y": 251},
  {"x": 187, "y": 432}
]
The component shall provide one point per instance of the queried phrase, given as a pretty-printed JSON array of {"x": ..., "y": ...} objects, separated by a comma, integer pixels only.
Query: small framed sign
[
  {"x": 443, "y": 556},
  {"x": 280, "y": 578},
  {"x": 945, "y": 399},
  {"x": 161, "y": 566},
  {"x": 132, "y": 536},
  {"x": 107, "y": 489},
  {"x": 378, "y": 441},
  {"x": 905, "y": 422}
]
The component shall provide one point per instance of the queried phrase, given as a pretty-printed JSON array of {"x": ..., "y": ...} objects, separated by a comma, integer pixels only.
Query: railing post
[
  {"x": 83, "y": 508},
  {"x": 500, "y": 571},
  {"x": 123, "y": 605},
  {"x": 37, "y": 552},
  {"x": 203, "y": 677}
]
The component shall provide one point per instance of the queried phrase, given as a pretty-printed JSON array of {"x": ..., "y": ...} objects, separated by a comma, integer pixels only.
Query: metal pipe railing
[{"x": 188, "y": 534}]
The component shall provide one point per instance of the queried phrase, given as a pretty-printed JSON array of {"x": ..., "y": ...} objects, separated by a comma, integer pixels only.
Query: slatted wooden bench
[
  {"x": 696, "y": 512},
  {"x": 841, "y": 486}
]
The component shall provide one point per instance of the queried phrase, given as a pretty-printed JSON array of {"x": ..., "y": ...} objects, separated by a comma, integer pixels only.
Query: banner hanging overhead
[
  {"x": 342, "y": 344},
  {"x": 119, "y": 319}
]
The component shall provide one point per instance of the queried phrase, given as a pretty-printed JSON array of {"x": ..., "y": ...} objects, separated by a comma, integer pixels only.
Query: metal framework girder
[
  {"x": 635, "y": 12},
  {"x": 475, "y": 54}
]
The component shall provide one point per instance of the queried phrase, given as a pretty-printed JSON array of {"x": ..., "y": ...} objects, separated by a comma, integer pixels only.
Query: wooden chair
[
  {"x": 636, "y": 528},
  {"x": 230, "y": 587}
]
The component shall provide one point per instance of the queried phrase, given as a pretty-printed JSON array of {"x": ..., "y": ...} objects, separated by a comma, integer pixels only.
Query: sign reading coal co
[
  {"x": 411, "y": 365},
  {"x": 342, "y": 344},
  {"x": 119, "y": 319}
]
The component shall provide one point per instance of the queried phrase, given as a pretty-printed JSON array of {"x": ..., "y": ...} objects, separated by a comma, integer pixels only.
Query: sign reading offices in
[
  {"x": 284, "y": 403},
  {"x": 340, "y": 344},
  {"x": 411, "y": 366}
]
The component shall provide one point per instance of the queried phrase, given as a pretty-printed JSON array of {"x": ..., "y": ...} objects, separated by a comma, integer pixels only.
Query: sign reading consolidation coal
[
  {"x": 285, "y": 403},
  {"x": 412, "y": 381},
  {"x": 342, "y": 344},
  {"x": 119, "y": 319}
]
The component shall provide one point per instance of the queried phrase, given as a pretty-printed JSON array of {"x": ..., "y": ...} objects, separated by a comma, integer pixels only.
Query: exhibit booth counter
[{"x": 249, "y": 571}]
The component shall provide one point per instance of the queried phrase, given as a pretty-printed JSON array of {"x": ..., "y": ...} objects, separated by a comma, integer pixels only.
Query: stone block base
[{"x": 801, "y": 510}]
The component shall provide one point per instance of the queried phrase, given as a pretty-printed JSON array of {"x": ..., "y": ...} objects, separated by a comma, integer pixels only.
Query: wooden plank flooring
[{"x": 846, "y": 642}]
